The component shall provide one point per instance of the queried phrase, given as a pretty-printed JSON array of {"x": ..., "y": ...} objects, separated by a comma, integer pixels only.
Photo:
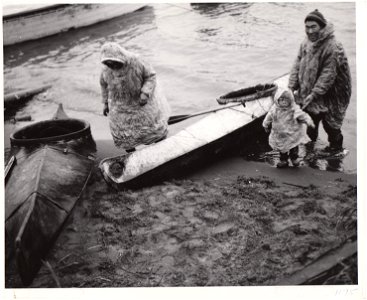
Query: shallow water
[{"x": 199, "y": 52}]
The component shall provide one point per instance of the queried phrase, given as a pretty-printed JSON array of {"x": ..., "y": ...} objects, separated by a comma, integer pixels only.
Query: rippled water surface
[{"x": 199, "y": 52}]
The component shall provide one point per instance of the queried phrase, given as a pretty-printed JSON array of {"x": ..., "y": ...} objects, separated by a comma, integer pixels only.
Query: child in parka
[
  {"x": 137, "y": 109},
  {"x": 288, "y": 125}
]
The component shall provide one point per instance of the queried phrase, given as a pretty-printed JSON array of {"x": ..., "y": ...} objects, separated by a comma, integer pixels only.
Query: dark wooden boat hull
[
  {"x": 40, "y": 194},
  {"x": 50, "y": 165}
]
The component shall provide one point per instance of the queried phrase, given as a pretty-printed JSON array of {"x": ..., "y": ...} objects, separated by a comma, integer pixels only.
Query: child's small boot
[
  {"x": 293, "y": 153},
  {"x": 296, "y": 162},
  {"x": 283, "y": 163}
]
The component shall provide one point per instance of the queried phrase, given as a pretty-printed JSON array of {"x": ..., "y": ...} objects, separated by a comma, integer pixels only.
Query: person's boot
[
  {"x": 334, "y": 147},
  {"x": 283, "y": 163},
  {"x": 296, "y": 162},
  {"x": 335, "y": 142},
  {"x": 294, "y": 155}
]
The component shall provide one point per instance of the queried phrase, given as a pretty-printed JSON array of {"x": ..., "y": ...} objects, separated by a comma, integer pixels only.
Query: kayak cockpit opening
[
  {"x": 117, "y": 168},
  {"x": 249, "y": 94},
  {"x": 50, "y": 131}
]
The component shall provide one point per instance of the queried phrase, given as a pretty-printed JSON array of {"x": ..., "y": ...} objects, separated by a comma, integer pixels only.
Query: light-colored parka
[
  {"x": 321, "y": 68},
  {"x": 131, "y": 124},
  {"x": 288, "y": 124}
]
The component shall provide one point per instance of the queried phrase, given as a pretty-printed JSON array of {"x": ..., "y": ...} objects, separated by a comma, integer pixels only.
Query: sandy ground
[{"x": 217, "y": 228}]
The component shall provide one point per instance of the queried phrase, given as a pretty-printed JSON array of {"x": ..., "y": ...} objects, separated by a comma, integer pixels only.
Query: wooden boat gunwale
[
  {"x": 36, "y": 11},
  {"x": 40, "y": 22}
]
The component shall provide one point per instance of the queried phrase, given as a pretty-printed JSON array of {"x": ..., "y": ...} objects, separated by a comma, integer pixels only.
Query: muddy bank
[{"x": 213, "y": 230}]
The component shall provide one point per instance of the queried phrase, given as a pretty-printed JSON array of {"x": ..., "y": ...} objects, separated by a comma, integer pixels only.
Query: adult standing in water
[
  {"x": 138, "y": 111},
  {"x": 321, "y": 79}
]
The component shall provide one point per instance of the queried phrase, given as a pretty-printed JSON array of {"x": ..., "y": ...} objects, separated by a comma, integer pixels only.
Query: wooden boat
[
  {"x": 43, "y": 183},
  {"x": 203, "y": 141},
  {"x": 29, "y": 22}
]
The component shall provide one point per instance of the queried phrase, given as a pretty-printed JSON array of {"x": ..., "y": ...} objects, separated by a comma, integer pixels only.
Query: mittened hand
[
  {"x": 143, "y": 99},
  {"x": 307, "y": 101}
]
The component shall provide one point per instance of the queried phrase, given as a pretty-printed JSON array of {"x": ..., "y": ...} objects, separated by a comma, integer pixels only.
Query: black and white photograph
[{"x": 161, "y": 147}]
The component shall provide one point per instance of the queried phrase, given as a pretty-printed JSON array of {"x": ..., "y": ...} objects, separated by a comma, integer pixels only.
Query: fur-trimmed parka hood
[{"x": 325, "y": 33}]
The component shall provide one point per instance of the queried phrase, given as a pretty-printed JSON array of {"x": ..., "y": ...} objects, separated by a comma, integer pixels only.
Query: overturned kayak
[
  {"x": 211, "y": 136},
  {"x": 44, "y": 180}
]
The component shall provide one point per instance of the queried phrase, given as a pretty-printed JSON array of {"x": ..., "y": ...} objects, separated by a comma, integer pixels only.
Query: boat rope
[
  {"x": 185, "y": 8},
  {"x": 193, "y": 137},
  {"x": 253, "y": 116},
  {"x": 258, "y": 101}
]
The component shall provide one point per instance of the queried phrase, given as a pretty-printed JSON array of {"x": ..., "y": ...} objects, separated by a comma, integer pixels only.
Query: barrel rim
[{"x": 64, "y": 137}]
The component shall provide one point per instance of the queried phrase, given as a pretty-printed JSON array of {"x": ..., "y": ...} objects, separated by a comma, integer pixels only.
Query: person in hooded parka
[
  {"x": 138, "y": 111},
  {"x": 320, "y": 78},
  {"x": 288, "y": 124}
]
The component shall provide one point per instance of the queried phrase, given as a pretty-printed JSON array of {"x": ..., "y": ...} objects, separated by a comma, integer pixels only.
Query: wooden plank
[{"x": 311, "y": 273}]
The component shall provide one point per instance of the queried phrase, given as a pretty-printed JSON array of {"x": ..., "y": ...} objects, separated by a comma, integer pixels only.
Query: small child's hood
[{"x": 286, "y": 93}]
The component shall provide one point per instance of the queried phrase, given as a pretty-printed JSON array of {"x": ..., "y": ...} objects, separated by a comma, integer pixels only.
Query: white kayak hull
[
  {"x": 209, "y": 137},
  {"x": 30, "y": 22}
]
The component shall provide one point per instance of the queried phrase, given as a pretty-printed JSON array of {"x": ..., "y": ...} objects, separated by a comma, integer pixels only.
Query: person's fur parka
[
  {"x": 132, "y": 124},
  {"x": 321, "y": 68},
  {"x": 288, "y": 124}
]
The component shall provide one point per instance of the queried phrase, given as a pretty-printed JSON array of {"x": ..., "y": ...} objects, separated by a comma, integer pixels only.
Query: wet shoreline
[{"x": 200, "y": 231}]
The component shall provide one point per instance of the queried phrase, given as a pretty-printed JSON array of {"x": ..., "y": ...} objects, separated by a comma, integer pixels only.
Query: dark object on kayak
[
  {"x": 249, "y": 94},
  {"x": 200, "y": 143},
  {"x": 42, "y": 189},
  {"x": 23, "y": 118},
  {"x": 18, "y": 98}
]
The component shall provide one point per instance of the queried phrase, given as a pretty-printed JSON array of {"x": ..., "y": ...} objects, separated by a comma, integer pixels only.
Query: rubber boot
[
  {"x": 296, "y": 160},
  {"x": 283, "y": 163}
]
